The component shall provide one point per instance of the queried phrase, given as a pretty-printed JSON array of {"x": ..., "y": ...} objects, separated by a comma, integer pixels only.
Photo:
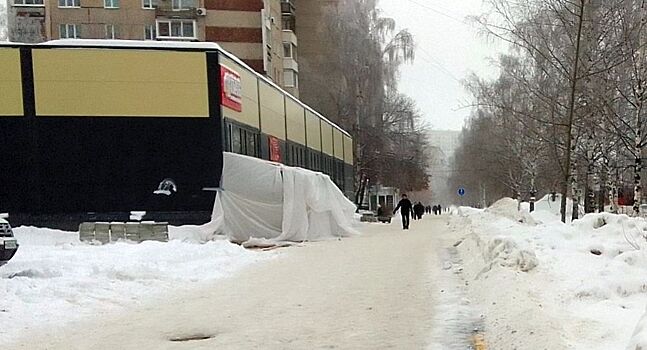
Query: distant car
[{"x": 8, "y": 244}]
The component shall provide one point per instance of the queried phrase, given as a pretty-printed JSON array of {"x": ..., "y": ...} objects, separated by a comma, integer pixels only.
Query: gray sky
[{"x": 448, "y": 50}]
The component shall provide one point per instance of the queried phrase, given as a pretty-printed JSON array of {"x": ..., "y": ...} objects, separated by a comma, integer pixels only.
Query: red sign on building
[
  {"x": 231, "y": 89},
  {"x": 275, "y": 149}
]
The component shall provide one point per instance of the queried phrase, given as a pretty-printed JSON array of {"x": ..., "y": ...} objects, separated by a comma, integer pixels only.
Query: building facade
[
  {"x": 320, "y": 66},
  {"x": 253, "y": 30}
]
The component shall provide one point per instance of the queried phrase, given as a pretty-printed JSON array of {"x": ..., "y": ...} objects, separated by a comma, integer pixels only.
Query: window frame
[
  {"x": 181, "y": 6},
  {"x": 152, "y": 4},
  {"x": 153, "y": 32},
  {"x": 76, "y": 29},
  {"x": 295, "y": 78},
  {"x": 112, "y": 4},
  {"x": 113, "y": 31},
  {"x": 169, "y": 22},
  {"x": 42, "y": 4},
  {"x": 75, "y": 4},
  {"x": 241, "y": 139}
]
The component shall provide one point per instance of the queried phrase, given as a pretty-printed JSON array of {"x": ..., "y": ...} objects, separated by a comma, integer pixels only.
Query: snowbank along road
[{"x": 376, "y": 291}]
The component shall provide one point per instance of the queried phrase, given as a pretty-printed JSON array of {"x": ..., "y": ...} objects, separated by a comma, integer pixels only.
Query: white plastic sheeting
[{"x": 270, "y": 201}]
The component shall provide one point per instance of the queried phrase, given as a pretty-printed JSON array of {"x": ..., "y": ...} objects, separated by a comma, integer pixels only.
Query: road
[{"x": 375, "y": 291}]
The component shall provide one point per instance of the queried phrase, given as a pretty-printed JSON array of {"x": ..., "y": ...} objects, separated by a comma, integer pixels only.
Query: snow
[
  {"x": 3, "y": 22},
  {"x": 55, "y": 280},
  {"x": 580, "y": 285}
]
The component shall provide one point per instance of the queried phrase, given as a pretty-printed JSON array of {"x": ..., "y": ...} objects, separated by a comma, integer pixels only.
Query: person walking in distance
[
  {"x": 406, "y": 208},
  {"x": 418, "y": 210}
]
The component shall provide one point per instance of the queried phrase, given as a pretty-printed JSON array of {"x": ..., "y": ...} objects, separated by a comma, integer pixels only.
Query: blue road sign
[{"x": 461, "y": 191}]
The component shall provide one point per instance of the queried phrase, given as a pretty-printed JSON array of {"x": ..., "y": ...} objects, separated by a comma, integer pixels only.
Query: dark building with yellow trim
[{"x": 91, "y": 130}]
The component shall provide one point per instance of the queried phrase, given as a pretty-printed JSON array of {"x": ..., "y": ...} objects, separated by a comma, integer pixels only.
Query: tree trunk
[
  {"x": 575, "y": 192},
  {"x": 533, "y": 194},
  {"x": 638, "y": 159},
  {"x": 571, "y": 112},
  {"x": 639, "y": 91},
  {"x": 589, "y": 206}
]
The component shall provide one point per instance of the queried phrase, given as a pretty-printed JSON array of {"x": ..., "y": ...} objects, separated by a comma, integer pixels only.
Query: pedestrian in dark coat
[
  {"x": 406, "y": 209},
  {"x": 419, "y": 210}
]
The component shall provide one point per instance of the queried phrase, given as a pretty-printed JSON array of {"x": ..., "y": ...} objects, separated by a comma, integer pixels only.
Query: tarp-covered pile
[{"x": 276, "y": 203}]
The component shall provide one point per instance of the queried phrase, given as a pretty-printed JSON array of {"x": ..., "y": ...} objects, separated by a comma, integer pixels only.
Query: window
[
  {"x": 242, "y": 140},
  {"x": 236, "y": 142},
  {"x": 314, "y": 160},
  {"x": 111, "y": 4},
  {"x": 291, "y": 78},
  {"x": 149, "y": 4},
  {"x": 111, "y": 31},
  {"x": 177, "y": 29},
  {"x": 251, "y": 148},
  {"x": 28, "y": 3},
  {"x": 69, "y": 31},
  {"x": 149, "y": 32},
  {"x": 184, "y": 4},
  {"x": 289, "y": 50},
  {"x": 69, "y": 3}
]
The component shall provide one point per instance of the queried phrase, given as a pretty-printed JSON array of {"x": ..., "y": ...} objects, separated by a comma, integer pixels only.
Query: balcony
[
  {"x": 290, "y": 63},
  {"x": 288, "y": 36},
  {"x": 29, "y": 11},
  {"x": 287, "y": 8},
  {"x": 180, "y": 9}
]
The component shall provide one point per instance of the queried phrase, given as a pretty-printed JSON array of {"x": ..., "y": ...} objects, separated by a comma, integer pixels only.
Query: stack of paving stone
[{"x": 104, "y": 232}]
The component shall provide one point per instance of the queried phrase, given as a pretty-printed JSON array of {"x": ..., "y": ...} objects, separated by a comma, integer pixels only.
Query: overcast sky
[{"x": 448, "y": 50}]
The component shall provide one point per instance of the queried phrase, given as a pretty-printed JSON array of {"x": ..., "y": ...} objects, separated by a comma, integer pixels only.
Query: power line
[
  {"x": 459, "y": 20},
  {"x": 438, "y": 64}
]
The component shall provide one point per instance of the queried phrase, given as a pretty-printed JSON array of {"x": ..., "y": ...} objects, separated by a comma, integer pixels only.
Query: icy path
[{"x": 371, "y": 292}]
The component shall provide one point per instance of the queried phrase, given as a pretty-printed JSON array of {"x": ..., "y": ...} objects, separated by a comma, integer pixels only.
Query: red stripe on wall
[
  {"x": 234, "y": 35},
  {"x": 234, "y": 5}
]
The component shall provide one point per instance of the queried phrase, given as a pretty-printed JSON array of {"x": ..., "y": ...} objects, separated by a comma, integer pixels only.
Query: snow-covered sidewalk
[
  {"x": 543, "y": 284},
  {"x": 375, "y": 291},
  {"x": 55, "y": 281}
]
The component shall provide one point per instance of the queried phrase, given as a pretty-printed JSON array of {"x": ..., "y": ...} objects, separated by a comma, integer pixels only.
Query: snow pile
[
  {"x": 506, "y": 252},
  {"x": 509, "y": 208},
  {"x": 639, "y": 339},
  {"x": 579, "y": 285},
  {"x": 546, "y": 208},
  {"x": 54, "y": 279}
]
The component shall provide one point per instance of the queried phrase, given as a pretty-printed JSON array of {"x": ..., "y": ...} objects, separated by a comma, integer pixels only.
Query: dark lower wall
[{"x": 74, "y": 165}]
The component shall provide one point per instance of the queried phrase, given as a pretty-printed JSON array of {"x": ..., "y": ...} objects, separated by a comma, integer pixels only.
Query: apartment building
[
  {"x": 318, "y": 60},
  {"x": 251, "y": 29}
]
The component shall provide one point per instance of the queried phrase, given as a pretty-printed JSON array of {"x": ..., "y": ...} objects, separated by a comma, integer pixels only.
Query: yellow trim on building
[
  {"x": 326, "y": 138},
  {"x": 338, "y": 142},
  {"x": 120, "y": 83},
  {"x": 272, "y": 110},
  {"x": 348, "y": 150},
  {"x": 11, "y": 103},
  {"x": 296, "y": 123},
  {"x": 313, "y": 125}
]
